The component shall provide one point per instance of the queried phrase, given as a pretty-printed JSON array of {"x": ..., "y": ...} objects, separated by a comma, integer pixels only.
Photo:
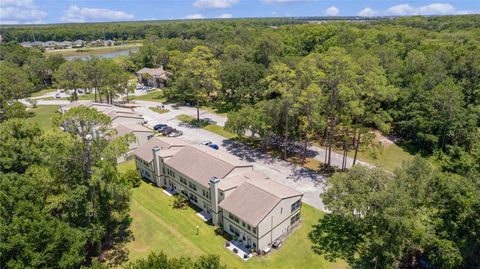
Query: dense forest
[{"x": 283, "y": 82}]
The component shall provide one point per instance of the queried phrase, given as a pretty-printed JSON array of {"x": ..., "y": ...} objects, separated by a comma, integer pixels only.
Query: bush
[
  {"x": 132, "y": 178},
  {"x": 179, "y": 202}
]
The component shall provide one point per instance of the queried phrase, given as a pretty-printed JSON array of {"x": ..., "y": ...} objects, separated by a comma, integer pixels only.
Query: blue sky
[{"x": 62, "y": 11}]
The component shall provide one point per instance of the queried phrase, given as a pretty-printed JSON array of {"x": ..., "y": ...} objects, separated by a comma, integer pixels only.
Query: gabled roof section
[
  {"x": 127, "y": 128},
  {"x": 201, "y": 163},
  {"x": 152, "y": 71},
  {"x": 145, "y": 151},
  {"x": 254, "y": 199}
]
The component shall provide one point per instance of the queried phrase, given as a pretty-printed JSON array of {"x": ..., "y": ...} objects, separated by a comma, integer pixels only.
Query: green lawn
[
  {"x": 390, "y": 157},
  {"x": 92, "y": 50},
  {"x": 206, "y": 126},
  {"x": 123, "y": 167},
  {"x": 43, "y": 115},
  {"x": 158, "y": 227},
  {"x": 42, "y": 92}
]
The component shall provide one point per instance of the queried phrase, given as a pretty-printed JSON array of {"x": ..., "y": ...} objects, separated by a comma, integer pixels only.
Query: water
[{"x": 106, "y": 55}]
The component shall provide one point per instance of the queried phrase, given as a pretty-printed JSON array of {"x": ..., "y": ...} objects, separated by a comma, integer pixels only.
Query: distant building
[
  {"x": 64, "y": 45},
  {"x": 78, "y": 44},
  {"x": 153, "y": 77}
]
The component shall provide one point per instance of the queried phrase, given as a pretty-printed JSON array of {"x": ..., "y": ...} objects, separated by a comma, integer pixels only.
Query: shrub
[
  {"x": 132, "y": 178},
  {"x": 180, "y": 202}
]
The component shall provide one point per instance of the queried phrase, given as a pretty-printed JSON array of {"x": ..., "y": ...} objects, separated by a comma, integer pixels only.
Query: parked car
[
  {"x": 277, "y": 244},
  {"x": 213, "y": 146},
  {"x": 159, "y": 126},
  {"x": 167, "y": 130},
  {"x": 206, "y": 143},
  {"x": 57, "y": 95},
  {"x": 175, "y": 133},
  {"x": 162, "y": 128}
]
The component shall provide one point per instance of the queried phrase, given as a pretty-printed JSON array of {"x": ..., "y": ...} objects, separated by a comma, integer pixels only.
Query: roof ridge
[
  {"x": 262, "y": 189},
  {"x": 214, "y": 156}
]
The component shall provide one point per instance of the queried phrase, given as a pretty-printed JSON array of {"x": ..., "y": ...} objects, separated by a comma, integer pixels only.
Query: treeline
[{"x": 199, "y": 29}]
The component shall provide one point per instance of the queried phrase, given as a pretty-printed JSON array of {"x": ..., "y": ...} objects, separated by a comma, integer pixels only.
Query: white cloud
[
  {"x": 402, "y": 10},
  {"x": 20, "y": 12},
  {"x": 332, "y": 11},
  {"x": 226, "y": 16},
  {"x": 214, "y": 4},
  {"x": 17, "y": 3},
  {"x": 436, "y": 9},
  {"x": 367, "y": 12},
  {"x": 432, "y": 9},
  {"x": 85, "y": 14},
  {"x": 194, "y": 16}
]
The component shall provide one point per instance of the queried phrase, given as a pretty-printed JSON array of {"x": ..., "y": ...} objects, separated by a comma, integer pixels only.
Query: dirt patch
[{"x": 385, "y": 141}]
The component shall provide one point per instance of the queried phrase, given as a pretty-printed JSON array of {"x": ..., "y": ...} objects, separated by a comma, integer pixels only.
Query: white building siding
[
  {"x": 277, "y": 222},
  {"x": 248, "y": 237}
]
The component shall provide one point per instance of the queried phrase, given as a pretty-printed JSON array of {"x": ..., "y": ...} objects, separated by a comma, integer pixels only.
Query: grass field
[
  {"x": 390, "y": 157},
  {"x": 158, "y": 227},
  {"x": 43, "y": 116},
  {"x": 206, "y": 126},
  {"x": 42, "y": 92},
  {"x": 92, "y": 50}
]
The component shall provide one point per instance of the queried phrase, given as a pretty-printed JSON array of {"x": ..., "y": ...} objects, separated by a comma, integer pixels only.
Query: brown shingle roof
[
  {"x": 145, "y": 151},
  {"x": 201, "y": 163},
  {"x": 255, "y": 198},
  {"x": 115, "y": 114},
  {"x": 151, "y": 71},
  {"x": 126, "y": 128}
]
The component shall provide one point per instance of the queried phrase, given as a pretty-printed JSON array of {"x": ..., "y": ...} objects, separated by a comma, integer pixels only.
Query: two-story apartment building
[
  {"x": 249, "y": 205},
  {"x": 260, "y": 210}
]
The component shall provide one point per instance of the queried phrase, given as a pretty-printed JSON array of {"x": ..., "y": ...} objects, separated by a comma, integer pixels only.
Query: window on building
[
  {"x": 243, "y": 224},
  {"x": 296, "y": 205},
  {"x": 170, "y": 173},
  {"x": 192, "y": 186},
  {"x": 281, "y": 210},
  {"x": 231, "y": 228},
  {"x": 183, "y": 180},
  {"x": 193, "y": 197},
  {"x": 254, "y": 245},
  {"x": 254, "y": 230},
  {"x": 206, "y": 193},
  {"x": 295, "y": 219},
  {"x": 233, "y": 217},
  {"x": 248, "y": 227}
]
